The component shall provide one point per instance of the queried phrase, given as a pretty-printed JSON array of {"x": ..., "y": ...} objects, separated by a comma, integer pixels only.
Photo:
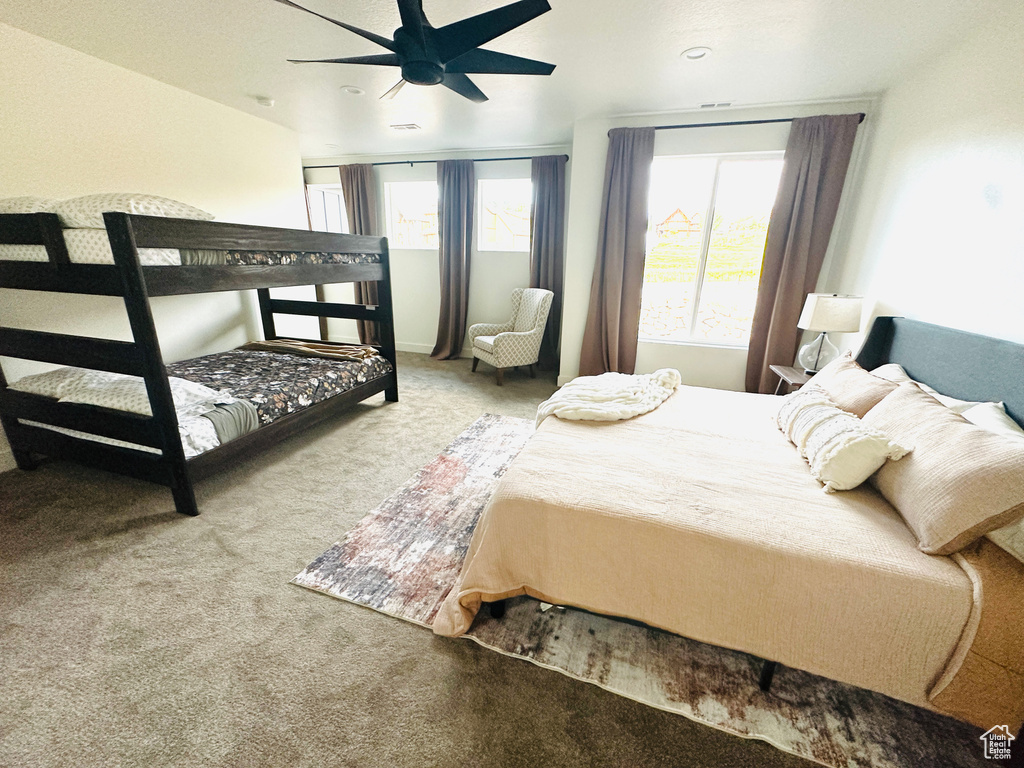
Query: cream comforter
[{"x": 701, "y": 518}]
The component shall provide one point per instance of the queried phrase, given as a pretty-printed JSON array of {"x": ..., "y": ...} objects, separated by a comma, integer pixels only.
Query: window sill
[{"x": 693, "y": 343}]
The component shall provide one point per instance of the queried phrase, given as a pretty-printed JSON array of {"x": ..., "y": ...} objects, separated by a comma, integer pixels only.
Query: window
[
  {"x": 700, "y": 281},
  {"x": 411, "y": 211},
  {"x": 327, "y": 208},
  {"x": 504, "y": 214}
]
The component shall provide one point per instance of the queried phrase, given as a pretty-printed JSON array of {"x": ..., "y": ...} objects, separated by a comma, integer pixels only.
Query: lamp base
[{"x": 817, "y": 354}]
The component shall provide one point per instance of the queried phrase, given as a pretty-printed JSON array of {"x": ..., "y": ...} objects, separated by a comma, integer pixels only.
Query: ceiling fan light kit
[{"x": 446, "y": 55}]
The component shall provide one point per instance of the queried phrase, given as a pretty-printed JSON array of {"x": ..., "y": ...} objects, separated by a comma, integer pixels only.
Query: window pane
[
  {"x": 743, "y": 205},
  {"x": 504, "y": 214},
  {"x": 337, "y": 220},
  {"x": 411, "y": 208},
  {"x": 680, "y": 194}
]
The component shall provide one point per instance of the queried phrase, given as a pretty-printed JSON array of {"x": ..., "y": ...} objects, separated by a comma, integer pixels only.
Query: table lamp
[{"x": 826, "y": 312}]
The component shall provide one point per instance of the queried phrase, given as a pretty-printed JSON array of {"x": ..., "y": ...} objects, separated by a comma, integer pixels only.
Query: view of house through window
[
  {"x": 411, "y": 211},
  {"x": 504, "y": 214},
  {"x": 700, "y": 281}
]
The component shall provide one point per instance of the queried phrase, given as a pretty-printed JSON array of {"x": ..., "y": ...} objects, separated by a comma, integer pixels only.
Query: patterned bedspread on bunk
[{"x": 278, "y": 383}]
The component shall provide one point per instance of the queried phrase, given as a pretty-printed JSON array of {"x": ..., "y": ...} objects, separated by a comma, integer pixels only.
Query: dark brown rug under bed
[{"x": 278, "y": 383}]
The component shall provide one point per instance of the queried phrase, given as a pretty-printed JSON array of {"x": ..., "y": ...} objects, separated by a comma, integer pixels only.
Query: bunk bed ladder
[{"x": 140, "y": 318}]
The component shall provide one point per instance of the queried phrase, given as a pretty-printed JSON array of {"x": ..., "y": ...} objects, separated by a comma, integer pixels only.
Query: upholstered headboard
[{"x": 956, "y": 363}]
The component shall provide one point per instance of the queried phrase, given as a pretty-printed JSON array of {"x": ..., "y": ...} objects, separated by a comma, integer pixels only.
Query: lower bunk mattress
[{"x": 221, "y": 396}]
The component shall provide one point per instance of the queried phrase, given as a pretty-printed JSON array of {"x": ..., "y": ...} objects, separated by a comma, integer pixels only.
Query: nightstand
[{"x": 793, "y": 378}]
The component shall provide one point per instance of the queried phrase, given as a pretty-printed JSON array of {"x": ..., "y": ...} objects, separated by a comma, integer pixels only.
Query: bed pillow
[
  {"x": 87, "y": 212},
  {"x": 115, "y": 390},
  {"x": 27, "y": 204},
  {"x": 895, "y": 373},
  {"x": 959, "y": 481},
  {"x": 851, "y": 387},
  {"x": 841, "y": 451},
  {"x": 794, "y": 403}
]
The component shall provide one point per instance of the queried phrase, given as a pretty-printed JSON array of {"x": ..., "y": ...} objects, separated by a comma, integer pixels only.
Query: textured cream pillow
[
  {"x": 958, "y": 483},
  {"x": 841, "y": 451},
  {"x": 87, "y": 211},
  {"x": 792, "y": 405},
  {"x": 27, "y": 204},
  {"x": 851, "y": 387}
]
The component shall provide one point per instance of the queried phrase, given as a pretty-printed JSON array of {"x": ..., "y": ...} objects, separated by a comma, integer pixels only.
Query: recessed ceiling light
[
  {"x": 264, "y": 101},
  {"x": 697, "y": 53},
  {"x": 353, "y": 90}
]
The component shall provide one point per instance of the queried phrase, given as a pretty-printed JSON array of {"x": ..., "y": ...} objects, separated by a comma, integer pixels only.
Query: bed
[
  {"x": 701, "y": 518},
  {"x": 286, "y": 384}
]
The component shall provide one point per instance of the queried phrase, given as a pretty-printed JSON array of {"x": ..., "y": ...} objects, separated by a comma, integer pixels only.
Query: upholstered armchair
[{"x": 517, "y": 342}]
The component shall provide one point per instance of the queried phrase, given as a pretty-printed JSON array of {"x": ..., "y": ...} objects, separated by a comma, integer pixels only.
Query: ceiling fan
[{"x": 445, "y": 56}]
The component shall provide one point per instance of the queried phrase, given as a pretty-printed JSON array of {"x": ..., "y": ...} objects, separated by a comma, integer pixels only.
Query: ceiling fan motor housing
[{"x": 422, "y": 72}]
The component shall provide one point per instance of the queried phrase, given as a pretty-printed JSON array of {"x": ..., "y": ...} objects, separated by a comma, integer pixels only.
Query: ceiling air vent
[
  {"x": 405, "y": 127},
  {"x": 712, "y": 105}
]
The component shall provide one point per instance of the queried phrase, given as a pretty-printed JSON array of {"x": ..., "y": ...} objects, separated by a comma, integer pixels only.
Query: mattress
[
  {"x": 269, "y": 384},
  {"x": 702, "y": 519},
  {"x": 278, "y": 383},
  {"x": 91, "y": 246}
]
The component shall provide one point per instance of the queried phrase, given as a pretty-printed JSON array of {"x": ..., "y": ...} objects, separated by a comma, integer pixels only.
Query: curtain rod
[
  {"x": 734, "y": 122},
  {"x": 413, "y": 162}
]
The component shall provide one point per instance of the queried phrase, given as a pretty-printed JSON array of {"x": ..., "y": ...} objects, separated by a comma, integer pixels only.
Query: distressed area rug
[{"x": 403, "y": 558}]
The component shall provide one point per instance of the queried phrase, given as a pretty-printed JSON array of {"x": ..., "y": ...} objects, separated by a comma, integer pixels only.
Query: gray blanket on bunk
[{"x": 233, "y": 420}]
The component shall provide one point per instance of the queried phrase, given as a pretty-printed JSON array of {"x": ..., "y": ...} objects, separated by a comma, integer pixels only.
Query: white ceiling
[{"x": 612, "y": 58}]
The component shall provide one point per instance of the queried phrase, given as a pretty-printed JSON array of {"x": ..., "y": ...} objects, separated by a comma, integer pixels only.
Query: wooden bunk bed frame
[{"x": 142, "y": 357}]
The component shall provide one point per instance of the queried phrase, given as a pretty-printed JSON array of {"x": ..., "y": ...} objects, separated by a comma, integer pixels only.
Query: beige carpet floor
[{"x": 132, "y": 636}]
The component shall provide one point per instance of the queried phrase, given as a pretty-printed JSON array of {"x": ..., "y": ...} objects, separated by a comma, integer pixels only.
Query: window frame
[
  {"x": 705, "y": 245},
  {"x": 323, "y": 190}
]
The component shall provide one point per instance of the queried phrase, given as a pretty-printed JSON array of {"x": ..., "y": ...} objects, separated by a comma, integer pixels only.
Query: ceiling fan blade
[
  {"x": 481, "y": 62},
  {"x": 411, "y": 12},
  {"x": 393, "y": 91},
  {"x": 383, "y": 59},
  {"x": 463, "y": 86},
  {"x": 456, "y": 39},
  {"x": 381, "y": 41}
]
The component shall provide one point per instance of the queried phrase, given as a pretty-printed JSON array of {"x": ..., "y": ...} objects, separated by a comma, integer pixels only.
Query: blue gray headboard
[{"x": 956, "y": 363}]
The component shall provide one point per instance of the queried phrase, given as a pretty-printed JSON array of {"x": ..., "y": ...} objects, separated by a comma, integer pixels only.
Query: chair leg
[
  {"x": 500, "y": 372},
  {"x": 767, "y": 673},
  {"x": 533, "y": 373},
  {"x": 475, "y": 361}
]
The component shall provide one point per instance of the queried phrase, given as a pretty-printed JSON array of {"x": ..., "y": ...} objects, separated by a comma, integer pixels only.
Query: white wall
[
  {"x": 700, "y": 364},
  {"x": 937, "y": 232},
  {"x": 71, "y": 124},
  {"x": 415, "y": 274}
]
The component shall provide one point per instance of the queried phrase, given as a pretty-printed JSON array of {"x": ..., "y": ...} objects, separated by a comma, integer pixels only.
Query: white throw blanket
[{"x": 610, "y": 396}]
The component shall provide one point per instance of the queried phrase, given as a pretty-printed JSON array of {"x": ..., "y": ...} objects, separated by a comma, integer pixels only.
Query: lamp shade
[{"x": 830, "y": 312}]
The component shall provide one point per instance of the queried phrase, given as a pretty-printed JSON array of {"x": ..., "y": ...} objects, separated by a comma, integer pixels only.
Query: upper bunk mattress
[
  {"x": 91, "y": 246},
  {"x": 278, "y": 383}
]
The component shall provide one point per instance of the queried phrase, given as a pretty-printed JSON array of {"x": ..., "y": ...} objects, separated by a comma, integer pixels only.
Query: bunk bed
[{"x": 226, "y": 257}]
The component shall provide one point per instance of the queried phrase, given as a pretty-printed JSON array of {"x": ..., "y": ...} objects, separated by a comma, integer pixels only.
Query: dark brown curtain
[
  {"x": 547, "y": 246},
  {"x": 359, "y": 188},
  {"x": 609, "y": 341},
  {"x": 456, "y": 189},
  {"x": 817, "y": 156}
]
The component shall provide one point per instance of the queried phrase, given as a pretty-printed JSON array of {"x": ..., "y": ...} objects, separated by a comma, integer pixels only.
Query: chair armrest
[
  {"x": 488, "y": 329},
  {"x": 519, "y": 341}
]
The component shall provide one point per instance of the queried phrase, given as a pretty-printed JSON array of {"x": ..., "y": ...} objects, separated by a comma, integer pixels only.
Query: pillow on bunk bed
[
  {"x": 117, "y": 391},
  {"x": 27, "y": 204},
  {"x": 87, "y": 212}
]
